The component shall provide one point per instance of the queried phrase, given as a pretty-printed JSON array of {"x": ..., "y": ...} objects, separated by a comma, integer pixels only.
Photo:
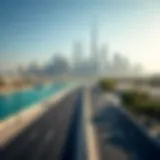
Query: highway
[
  {"x": 59, "y": 134},
  {"x": 52, "y": 136},
  {"x": 120, "y": 136}
]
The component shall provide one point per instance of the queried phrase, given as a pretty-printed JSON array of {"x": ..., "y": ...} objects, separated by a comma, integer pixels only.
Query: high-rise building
[
  {"x": 77, "y": 53},
  {"x": 94, "y": 46},
  {"x": 103, "y": 59},
  {"x": 77, "y": 57}
]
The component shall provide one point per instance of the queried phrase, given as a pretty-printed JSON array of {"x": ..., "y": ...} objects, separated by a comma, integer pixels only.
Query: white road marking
[
  {"x": 49, "y": 135},
  {"x": 33, "y": 135}
]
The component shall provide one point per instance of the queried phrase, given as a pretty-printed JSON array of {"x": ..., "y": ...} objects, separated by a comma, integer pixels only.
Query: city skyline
[
  {"x": 97, "y": 63},
  {"x": 35, "y": 32}
]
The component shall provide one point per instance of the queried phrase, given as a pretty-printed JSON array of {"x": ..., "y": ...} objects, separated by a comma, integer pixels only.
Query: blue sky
[{"x": 36, "y": 29}]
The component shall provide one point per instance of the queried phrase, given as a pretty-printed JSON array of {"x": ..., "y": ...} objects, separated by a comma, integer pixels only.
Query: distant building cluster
[{"x": 97, "y": 63}]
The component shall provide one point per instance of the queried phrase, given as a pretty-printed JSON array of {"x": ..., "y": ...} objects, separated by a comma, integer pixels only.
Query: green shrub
[
  {"x": 134, "y": 97},
  {"x": 107, "y": 84},
  {"x": 141, "y": 103}
]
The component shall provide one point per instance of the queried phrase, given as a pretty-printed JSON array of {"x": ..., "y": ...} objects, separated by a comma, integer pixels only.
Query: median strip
[{"x": 91, "y": 143}]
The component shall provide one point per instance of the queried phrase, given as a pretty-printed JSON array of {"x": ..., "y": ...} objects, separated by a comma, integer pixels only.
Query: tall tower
[
  {"x": 77, "y": 53},
  {"x": 103, "y": 58},
  {"x": 94, "y": 45},
  {"x": 77, "y": 57}
]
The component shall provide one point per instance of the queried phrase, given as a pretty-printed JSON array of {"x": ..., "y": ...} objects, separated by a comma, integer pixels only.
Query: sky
[{"x": 37, "y": 29}]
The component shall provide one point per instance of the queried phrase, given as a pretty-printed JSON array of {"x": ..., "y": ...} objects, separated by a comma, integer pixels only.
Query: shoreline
[
  {"x": 10, "y": 89},
  {"x": 36, "y": 103}
]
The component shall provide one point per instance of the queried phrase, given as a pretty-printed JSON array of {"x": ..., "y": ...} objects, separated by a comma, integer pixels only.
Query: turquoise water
[{"x": 16, "y": 101}]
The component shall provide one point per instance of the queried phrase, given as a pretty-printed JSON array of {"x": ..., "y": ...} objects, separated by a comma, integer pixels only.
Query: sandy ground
[
  {"x": 7, "y": 89},
  {"x": 10, "y": 89},
  {"x": 15, "y": 124}
]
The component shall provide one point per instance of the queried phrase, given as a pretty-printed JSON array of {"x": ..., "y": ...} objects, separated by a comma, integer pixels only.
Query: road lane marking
[
  {"x": 33, "y": 135},
  {"x": 43, "y": 144},
  {"x": 49, "y": 135}
]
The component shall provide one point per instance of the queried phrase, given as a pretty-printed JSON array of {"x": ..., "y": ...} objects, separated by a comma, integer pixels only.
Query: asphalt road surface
[
  {"x": 52, "y": 136},
  {"x": 120, "y": 136}
]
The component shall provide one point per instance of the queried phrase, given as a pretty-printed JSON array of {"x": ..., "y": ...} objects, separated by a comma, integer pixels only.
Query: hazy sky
[{"x": 35, "y": 29}]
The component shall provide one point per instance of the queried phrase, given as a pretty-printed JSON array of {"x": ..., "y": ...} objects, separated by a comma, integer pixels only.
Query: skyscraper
[
  {"x": 78, "y": 58},
  {"x": 94, "y": 46},
  {"x": 77, "y": 53},
  {"x": 103, "y": 59}
]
